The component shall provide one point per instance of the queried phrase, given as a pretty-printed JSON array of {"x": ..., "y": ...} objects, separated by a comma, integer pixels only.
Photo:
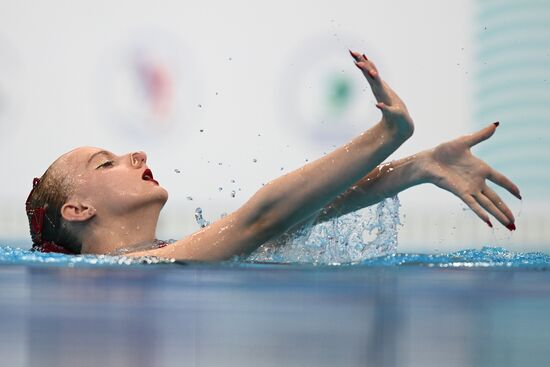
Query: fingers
[
  {"x": 504, "y": 182},
  {"x": 476, "y": 208},
  {"x": 369, "y": 70},
  {"x": 490, "y": 206},
  {"x": 481, "y": 135},
  {"x": 497, "y": 201}
]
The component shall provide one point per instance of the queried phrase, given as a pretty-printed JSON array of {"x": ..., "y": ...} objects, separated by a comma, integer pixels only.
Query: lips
[{"x": 148, "y": 176}]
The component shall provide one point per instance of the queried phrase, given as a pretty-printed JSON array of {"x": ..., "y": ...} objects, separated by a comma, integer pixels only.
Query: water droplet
[
  {"x": 223, "y": 215},
  {"x": 307, "y": 160},
  {"x": 216, "y": 93},
  {"x": 219, "y": 163},
  {"x": 199, "y": 105},
  {"x": 254, "y": 160},
  {"x": 233, "y": 193},
  {"x": 232, "y": 181},
  {"x": 199, "y": 218},
  {"x": 282, "y": 168},
  {"x": 201, "y": 130},
  {"x": 230, "y": 59},
  {"x": 177, "y": 170},
  {"x": 189, "y": 198}
]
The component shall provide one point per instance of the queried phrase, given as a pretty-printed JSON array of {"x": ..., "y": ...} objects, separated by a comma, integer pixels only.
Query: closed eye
[{"x": 105, "y": 164}]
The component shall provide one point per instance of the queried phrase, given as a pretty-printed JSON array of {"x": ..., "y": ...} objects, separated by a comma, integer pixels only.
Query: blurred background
[{"x": 225, "y": 96}]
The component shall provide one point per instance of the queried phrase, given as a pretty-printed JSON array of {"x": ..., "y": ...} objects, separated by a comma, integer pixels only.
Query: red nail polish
[
  {"x": 496, "y": 123},
  {"x": 511, "y": 227},
  {"x": 366, "y": 58},
  {"x": 489, "y": 223}
]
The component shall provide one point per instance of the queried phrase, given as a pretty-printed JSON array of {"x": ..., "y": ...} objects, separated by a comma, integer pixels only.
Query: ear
[{"x": 74, "y": 211}]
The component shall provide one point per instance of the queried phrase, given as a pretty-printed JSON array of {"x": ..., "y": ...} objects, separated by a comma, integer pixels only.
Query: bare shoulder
[{"x": 221, "y": 240}]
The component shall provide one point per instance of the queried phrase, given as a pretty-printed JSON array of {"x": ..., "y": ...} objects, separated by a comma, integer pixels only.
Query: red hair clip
[
  {"x": 36, "y": 220},
  {"x": 36, "y": 216}
]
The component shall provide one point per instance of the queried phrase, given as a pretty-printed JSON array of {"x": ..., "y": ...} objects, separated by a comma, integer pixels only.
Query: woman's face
[{"x": 114, "y": 184}]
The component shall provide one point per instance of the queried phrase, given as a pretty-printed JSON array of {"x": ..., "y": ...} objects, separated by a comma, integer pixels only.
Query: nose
[{"x": 138, "y": 159}]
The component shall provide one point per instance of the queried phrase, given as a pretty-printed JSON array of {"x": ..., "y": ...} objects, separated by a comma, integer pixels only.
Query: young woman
[{"x": 92, "y": 201}]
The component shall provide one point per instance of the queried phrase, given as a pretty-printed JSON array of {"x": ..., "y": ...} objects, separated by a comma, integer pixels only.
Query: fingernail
[
  {"x": 366, "y": 58},
  {"x": 489, "y": 223},
  {"x": 372, "y": 75},
  {"x": 351, "y": 53},
  {"x": 519, "y": 196},
  {"x": 496, "y": 123},
  {"x": 511, "y": 227},
  {"x": 378, "y": 106}
]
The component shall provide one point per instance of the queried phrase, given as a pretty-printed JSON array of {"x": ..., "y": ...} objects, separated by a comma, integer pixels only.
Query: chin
[
  {"x": 164, "y": 194},
  {"x": 161, "y": 194}
]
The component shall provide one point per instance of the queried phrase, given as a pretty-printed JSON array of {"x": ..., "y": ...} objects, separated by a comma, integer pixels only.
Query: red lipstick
[{"x": 148, "y": 176}]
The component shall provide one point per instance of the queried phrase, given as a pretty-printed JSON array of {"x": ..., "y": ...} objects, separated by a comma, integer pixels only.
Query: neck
[{"x": 105, "y": 235}]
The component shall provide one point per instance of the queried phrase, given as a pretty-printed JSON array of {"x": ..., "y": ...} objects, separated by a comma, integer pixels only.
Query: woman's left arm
[{"x": 450, "y": 166}]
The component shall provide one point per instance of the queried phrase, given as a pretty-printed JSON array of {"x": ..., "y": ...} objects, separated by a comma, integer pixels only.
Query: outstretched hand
[
  {"x": 454, "y": 168},
  {"x": 393, "y": 109}
]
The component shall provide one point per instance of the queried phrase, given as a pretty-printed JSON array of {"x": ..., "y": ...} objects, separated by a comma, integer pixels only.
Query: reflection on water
[{"x": 273, "y": 315}]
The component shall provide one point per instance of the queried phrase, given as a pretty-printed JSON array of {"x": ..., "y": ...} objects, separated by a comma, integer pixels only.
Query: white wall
[{"x": 256, "y": 77}]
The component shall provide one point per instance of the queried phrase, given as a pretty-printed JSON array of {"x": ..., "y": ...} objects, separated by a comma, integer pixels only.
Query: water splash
[
  {"x": 199, "y": 218},
  {"x": 353, "y": 238}
]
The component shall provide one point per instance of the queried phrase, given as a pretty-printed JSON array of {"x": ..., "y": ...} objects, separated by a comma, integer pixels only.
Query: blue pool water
[
  {"x": 336, "y": 294},
  {"x": 487, "y": 257},
  {"x": 487, "y": 307}
]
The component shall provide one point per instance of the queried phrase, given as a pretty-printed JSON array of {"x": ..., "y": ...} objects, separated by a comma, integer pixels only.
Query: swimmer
[{"x": 92, "y": 201}]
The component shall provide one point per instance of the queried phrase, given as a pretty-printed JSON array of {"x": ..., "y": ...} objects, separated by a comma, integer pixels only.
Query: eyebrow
[{"x": 101, "y": 152}]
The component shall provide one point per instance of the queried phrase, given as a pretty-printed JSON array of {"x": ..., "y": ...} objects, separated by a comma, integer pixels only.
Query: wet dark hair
[{"x": 48, "y": 229}]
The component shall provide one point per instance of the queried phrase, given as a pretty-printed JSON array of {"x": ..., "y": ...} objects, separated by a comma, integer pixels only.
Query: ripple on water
[
  {"x": 487, "y": 257},
  {"x": 14, "y": 255}
]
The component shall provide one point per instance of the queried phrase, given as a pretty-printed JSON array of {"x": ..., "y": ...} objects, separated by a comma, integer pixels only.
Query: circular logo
[
  {"x": 324, "y": 96},
  {"x": 148, "y": 87}
]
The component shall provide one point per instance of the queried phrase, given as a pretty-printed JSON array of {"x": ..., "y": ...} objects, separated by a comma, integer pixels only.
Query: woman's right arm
[{"x": 290, "y": 199}]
